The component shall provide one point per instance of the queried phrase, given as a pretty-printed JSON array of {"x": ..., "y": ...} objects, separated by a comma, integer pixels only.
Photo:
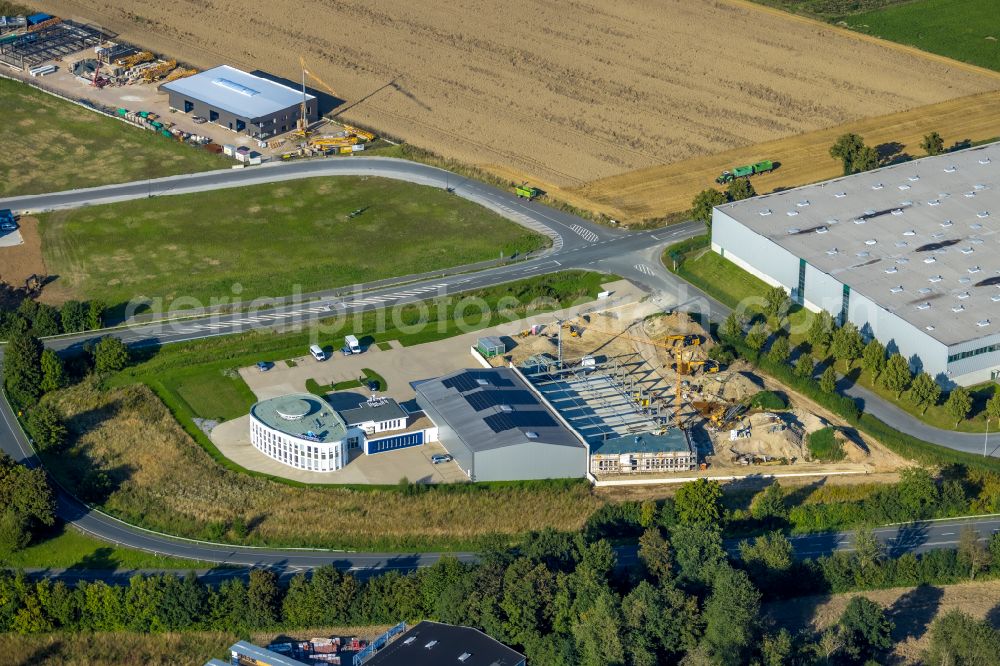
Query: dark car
[
  {"x": 8, "y": 226},
  {"x": 264, "y": 366}
]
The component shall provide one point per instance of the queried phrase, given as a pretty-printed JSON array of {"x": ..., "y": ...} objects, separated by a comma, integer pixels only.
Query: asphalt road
[{"x": 577, "y": 243}]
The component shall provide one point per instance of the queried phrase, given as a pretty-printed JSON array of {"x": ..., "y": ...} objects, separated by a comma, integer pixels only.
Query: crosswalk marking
[
  {"x": 644, "y": 269},
  {"x": 584, "y": 233}
]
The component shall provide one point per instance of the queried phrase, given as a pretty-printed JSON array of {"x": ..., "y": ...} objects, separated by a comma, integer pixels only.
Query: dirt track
[{"x": 565, "y": 91}]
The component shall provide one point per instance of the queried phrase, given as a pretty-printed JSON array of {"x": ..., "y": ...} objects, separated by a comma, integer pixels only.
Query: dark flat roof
[
  {"x": 493, "y": 408},
  {"x": 450, "y": 642},
  {"x": 387, "y": 410}
]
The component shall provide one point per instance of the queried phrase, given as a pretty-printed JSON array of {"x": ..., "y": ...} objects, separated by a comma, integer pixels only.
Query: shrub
[
  {"x": 825, "y": 445},
  {"x": 768, "y": 401}
]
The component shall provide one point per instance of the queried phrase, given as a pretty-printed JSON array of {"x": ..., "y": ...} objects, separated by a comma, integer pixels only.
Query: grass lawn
[
  {"x": 733, "y": 286},
  {"x": 824, "y": 445},
  {"x": 215, "y": 499},
  {"x": 211, "y": 393},
  {"x": 51, "y": 145},
  {"x": 269, "y": 241},
  {"x": 68, "y": 549},
  {"x": 965, "y": 30}
]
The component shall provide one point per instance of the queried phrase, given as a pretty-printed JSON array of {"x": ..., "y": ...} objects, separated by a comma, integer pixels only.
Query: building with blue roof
[
  {"x": 668, "y": 451},
  {"x": 241, "y": 101}
]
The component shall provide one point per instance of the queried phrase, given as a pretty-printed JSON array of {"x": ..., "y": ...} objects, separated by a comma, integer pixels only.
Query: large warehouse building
[
  {"x": 241, "y": 101},
  {"x": 909, "y": 253},
  {"x": 497, "y": 428}
]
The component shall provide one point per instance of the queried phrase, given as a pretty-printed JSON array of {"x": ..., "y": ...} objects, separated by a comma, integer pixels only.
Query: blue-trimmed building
[
  {"x": 670, "y": 451},
  {"x": 302, "y": 431}
]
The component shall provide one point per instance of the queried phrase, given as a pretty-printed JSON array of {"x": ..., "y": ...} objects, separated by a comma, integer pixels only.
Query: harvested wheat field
[
  {"x": 561, "y": 92},
  {"x": 657, "y": 191}
]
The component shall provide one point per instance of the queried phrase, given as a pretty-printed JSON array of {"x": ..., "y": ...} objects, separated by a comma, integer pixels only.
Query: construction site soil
[
  {"x": 775, "y": 442},
  {"x": 563, "y": 92}
]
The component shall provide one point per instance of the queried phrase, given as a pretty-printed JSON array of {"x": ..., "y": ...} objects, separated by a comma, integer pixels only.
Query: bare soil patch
[
  {"x": 19, "y": 262},
  {"x": 563, "y": 92}
]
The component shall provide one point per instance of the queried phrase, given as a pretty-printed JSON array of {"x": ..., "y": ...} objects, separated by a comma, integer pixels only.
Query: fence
[{"x": 378, "y": 643}]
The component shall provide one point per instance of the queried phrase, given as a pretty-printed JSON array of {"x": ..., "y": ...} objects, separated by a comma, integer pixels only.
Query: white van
[
  {"x": 351, "y": 343},
  {"x": 317, "y": 352}
]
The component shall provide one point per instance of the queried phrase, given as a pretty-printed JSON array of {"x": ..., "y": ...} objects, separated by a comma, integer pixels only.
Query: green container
[
  {"x": 763, "y": 167},
  {"x": 143, "y": 114},
  {"x": 122, "y": 112},
  {"x": 166, "y": 132},
  {"x": 741, "y": 171}
]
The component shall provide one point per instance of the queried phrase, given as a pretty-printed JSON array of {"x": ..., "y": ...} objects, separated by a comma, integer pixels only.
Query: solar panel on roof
[
  {"x": 485, "y": 399},
  {"x": 462, "y": 382},
  {"x": 508, "y": 421}
]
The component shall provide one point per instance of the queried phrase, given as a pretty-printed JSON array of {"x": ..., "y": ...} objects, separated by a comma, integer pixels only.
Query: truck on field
[
  {"x": 745, "y": 171},
  {"x": 524, "y": 191}
]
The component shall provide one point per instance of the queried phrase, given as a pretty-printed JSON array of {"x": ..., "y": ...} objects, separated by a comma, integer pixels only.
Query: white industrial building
[
  {"x": 909, "y": 253},
  {"x": 302, "y": 431}
]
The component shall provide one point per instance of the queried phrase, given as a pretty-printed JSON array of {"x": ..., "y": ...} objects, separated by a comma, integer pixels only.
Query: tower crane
[
  {"x": 303, "y": 122},
  {"x": 677, "y": 350}
]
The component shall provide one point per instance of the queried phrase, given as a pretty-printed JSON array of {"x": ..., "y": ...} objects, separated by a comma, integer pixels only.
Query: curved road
[{"x": 577, "y": 243}]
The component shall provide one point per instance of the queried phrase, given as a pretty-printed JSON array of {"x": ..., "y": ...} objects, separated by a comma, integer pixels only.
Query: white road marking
[
  {"x": 644, "y": 269},
  {"x": 584, "y": 233}
]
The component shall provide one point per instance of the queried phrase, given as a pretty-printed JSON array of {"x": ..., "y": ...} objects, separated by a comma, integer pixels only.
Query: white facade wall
[
  {"x": 301, "y": 453},
  {"x": 774, "y": 265}
]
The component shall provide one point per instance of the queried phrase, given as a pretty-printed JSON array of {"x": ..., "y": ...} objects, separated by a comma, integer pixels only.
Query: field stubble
[{"x": 562, "y": 92}]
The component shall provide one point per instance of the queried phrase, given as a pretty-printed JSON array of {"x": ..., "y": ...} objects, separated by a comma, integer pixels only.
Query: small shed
[{"x": 491, "y": 346}]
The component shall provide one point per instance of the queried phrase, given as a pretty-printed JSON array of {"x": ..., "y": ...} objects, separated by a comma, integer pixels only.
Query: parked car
[
  {"x": 317, "y": 352},
  {"x": 8, "y": 226},
  {"x": 439, "y": 458},
  {"x": 264, "y": 366},
  {"x": 198, "y": 120}
]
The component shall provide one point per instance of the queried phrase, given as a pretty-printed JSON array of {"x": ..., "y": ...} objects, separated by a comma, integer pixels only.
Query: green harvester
[{"x": 745, "y": 171}]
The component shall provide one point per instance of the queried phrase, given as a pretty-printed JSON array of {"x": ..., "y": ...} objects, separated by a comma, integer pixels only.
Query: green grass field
[
  {"x": 732, "y": 285},
  {"x": 965, "y": 30},
  {"x": 269, "y": 240},
  {"x": 68, "y": 549},
  {"x": 51, "y": 145}
]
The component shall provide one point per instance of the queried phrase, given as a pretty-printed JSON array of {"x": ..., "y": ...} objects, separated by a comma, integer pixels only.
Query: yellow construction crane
[
  {"x": 302, "y": 126},
  {"x": 676, "y": 349}
]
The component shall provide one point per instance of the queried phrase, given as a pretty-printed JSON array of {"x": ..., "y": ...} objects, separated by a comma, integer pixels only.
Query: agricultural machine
[
  {"x": 525, "y": 191},
  {"x": 745, "y": 171}
]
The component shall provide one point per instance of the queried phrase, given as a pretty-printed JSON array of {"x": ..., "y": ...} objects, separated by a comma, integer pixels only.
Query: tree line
[
  {"x": 889, "y": 370},
  {"x": 44, "y": 320},
  {"x": 559, "y": 597},
  {"x": 29, "y": 372}
]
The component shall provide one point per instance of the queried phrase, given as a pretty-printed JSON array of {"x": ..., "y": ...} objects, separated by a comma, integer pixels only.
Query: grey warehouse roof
[
  {"x": 301, "y": 415},
  {"x": 493, "y": 408},
  {"x": 672, "y": 441},
  {"x": 386, "y": 410},
  {"x": 919, "y": 238},
  {"x": 238, "y": 92},
  {"x": 434, "y": 643}
]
